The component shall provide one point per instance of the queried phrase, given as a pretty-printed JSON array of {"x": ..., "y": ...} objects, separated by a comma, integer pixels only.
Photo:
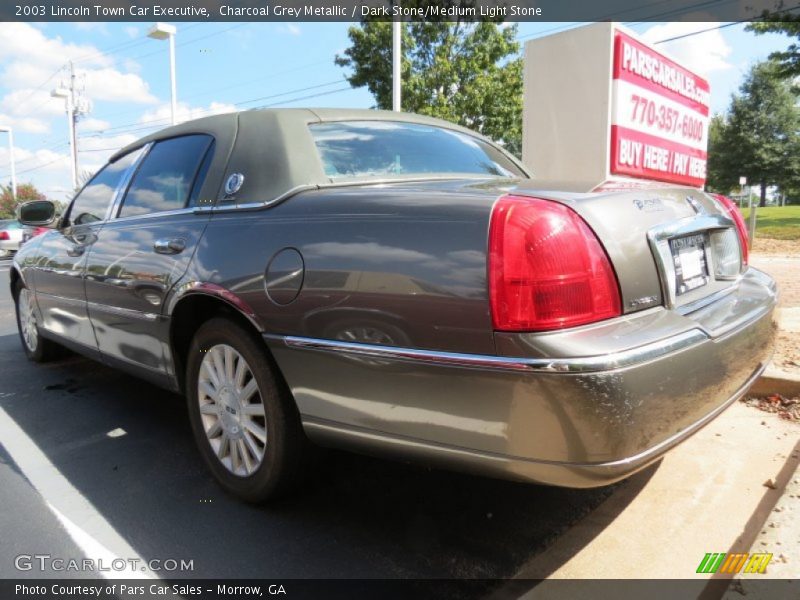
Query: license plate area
[{"x": 691, "y": 262}]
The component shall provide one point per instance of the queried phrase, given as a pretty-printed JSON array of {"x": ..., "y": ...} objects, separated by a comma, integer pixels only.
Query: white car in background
[{"x": 10, "y": 237}]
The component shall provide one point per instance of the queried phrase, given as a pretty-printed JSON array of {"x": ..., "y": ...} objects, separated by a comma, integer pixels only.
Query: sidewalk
[
  {"x": 707, "y": 495},
  {"x": 781, "y": 377}
]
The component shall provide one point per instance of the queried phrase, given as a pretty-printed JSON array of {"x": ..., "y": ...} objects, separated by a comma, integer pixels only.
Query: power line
[
  {"x": 40, "y": 86},
  {"x": 280, "y": 102},
  {"x": 731, "y": 24},
  {"x": 36, "y": 168},
  {"x": 686, "y": 35},
  {"x": 149, "y": 124},
  {"x": 288, "y": 101},
  {"x": 124, "y": 46},
  {"x": 683, "y": 11},
  {"x": 328, "y": 93},
  {"x": 99, "y": 149},
  {"x": 610, "y": 16},
  {"x": 34, "y": 157},
  {"x": 669, "y": 13},
  {"x": 303, "y": 89},
  {"x": 180, "y": 44},
  {"x": 115, "y": 49},
  {"x": 226, "y": 86},
  {"x": 190, "y": 41},
  {"x": 259, "y": 78},
  {"x": 108, "y": 51}
]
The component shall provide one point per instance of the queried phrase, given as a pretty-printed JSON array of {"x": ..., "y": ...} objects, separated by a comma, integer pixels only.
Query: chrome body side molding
[{"x": 585, "y": 364}]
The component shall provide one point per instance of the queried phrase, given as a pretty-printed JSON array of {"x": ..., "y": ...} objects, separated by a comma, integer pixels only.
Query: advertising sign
[
  {"x": 659, "y": 116},
  {"x": 604, "y": 110}
]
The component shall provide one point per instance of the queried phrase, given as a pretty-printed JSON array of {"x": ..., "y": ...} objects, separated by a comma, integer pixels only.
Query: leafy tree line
[
  {"x": 8, "y": 204},
  {"x": 464, "y": 72},
  {"x": 759, "y": 136},
  {"x": 787, "y": 21}
]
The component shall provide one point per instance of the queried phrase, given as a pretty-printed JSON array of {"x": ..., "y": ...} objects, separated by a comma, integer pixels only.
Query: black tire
[
  {"x": 43, "y": 350},
  {"x": 285, "y": 442}
]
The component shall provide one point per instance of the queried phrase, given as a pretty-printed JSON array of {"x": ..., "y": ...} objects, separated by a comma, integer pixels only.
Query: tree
[
  {"x": 782, "y": 21},
  {"x": 720, "y": 174},
  {"x": 466, "y": 73},
  {"x": 760, "y": 136},
  {"x": 25, "y": 193}
]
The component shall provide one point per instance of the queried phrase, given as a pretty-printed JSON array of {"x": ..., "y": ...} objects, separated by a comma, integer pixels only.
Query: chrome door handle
[{"x": 174, "y": 246}]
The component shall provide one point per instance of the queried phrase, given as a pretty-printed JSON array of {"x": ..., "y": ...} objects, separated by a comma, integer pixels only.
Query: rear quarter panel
[{"x": 408, "y": 261}]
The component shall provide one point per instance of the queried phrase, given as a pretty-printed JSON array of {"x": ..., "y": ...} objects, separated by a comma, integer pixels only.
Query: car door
[
  {"x": 144, "y": 249},
  {"x": 61, "y": 257}
]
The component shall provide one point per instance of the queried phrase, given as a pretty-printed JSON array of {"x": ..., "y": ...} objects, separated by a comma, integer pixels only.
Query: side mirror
[{"x": 37, "y": 212}]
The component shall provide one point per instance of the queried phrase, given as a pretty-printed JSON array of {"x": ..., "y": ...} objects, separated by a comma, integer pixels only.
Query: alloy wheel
[
  {"x": 232, "y": 410},
  {"x": 27, "y": 320}
]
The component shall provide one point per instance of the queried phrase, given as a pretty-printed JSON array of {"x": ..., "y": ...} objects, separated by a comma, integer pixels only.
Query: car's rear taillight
[
  {"x": 547, "y": 269},
  {"x": 730, "y": 208},
  {"x": 4, "y": 235}
]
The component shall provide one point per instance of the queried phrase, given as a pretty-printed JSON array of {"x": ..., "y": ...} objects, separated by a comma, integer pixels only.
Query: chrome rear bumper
[{"x": 577, "y": 422}]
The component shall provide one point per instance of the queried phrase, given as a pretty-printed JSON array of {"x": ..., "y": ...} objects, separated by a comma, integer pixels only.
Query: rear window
[{"x": 356, "y": 149}]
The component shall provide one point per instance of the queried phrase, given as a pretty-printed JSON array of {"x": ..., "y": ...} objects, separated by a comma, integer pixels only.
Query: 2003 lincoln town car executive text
[{"x": 397, "y": 284}]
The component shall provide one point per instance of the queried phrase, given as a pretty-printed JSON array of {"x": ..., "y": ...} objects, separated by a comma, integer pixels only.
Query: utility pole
[
  {"x": 73, "y": 124},
  {"x": 76, "y": 106},
  {"x": 397, "y": 60}
]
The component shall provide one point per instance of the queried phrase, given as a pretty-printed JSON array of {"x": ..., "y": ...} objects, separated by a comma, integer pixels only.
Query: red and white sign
[{"x": 659, "y": 116}]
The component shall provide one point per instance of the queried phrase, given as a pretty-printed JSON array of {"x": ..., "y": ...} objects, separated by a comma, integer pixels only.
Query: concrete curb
[
  {"x": 775, "y": 384},
  {"x": 776, "y": 380}
]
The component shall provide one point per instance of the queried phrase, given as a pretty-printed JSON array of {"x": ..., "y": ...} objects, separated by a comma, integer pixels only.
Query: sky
[{"x": 234, "y": 66}]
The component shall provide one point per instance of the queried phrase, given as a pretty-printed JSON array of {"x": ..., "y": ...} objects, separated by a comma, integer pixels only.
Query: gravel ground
[
  {"x": 780, "y": 247},
  {"x": 781, "y": 259},
  {"x": 787, "y": 409}
]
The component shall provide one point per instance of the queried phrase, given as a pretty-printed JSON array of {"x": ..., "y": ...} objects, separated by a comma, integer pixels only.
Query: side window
[
  {"x": 167, "y": 176},
  {"x": 94, "y": 199}
]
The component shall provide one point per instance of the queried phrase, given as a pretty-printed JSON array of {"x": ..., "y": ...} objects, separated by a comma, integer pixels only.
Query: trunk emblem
[{"x": 649, "y": 204}]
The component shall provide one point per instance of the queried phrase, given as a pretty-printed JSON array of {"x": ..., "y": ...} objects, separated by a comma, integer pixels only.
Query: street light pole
[
  {"x": 172, "y": 84},
  {"x": 164, "y": 31},
  {"x": 10, "y": 132},
  {"x": 397, "y": 59}
]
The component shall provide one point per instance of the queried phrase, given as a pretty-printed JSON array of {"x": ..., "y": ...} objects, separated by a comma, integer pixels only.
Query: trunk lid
[
  {"x": 642, "y": 230},
  {"x": 674, "y": 247}
]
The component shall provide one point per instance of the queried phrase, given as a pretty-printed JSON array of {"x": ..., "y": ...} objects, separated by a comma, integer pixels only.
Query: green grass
[{"x": 777, "y": 222}]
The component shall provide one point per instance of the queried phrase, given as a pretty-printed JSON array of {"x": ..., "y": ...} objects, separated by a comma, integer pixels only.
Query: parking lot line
[{"x": 91, "y": 532}]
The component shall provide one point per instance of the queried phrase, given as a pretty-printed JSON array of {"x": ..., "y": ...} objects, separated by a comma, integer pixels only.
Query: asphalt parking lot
[{"x": 356, "y": 517}]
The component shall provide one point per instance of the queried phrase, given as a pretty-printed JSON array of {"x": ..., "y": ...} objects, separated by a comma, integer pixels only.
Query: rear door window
[{"x": 169, "y": 176}]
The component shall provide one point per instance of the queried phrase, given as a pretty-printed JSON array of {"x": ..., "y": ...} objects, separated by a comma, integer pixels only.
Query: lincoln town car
[{"x": 397, "y": 285}]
